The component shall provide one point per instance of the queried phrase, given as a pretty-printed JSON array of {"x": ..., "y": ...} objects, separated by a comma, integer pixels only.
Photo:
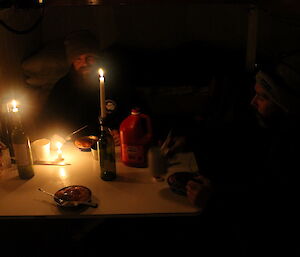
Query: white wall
[
  {"x": 13, "y": 49},
  {"x": 155, "y": 25},
  {"x": 278, "y": 32},
  {"x": 165, "y": 25}
]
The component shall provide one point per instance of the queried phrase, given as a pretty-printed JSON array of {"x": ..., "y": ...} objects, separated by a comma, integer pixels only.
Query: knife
[{"x": 74, "y": 132}]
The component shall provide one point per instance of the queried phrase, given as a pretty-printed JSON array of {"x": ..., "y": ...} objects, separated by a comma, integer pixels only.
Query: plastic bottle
[
  {"x": 135, "y": 137},
  {"x": 106, "y": 154}
]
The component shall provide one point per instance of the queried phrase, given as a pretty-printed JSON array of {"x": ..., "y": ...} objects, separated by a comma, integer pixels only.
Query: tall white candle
[{"x": 102, "y": 94}]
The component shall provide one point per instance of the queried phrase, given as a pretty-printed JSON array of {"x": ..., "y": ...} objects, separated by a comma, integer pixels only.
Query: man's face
[
  {"x": 262, "y": 102},
  {"x": 84, "y": 64},
  {"x": 268, "y": 113}
]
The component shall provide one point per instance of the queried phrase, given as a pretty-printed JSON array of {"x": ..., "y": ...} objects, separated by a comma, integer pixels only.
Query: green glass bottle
[
  {"x": 106, "y": 154},
  {"x": 5, "y": 128},
  {"x": 22, "y": 149}
]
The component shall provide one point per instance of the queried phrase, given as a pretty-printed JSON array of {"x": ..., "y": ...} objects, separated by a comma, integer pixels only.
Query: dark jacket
[{"x": 74, "y": 103}]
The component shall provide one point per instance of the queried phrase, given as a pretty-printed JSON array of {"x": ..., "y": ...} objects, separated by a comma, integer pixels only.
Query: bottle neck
[
  {"x": 16, "y": 120},
  {"x": 103, "y": 127},
  {"x": 104, "y": 130}
]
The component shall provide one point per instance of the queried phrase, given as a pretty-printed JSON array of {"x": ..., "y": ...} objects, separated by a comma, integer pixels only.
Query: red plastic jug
[{"x": 135, "y": 137}]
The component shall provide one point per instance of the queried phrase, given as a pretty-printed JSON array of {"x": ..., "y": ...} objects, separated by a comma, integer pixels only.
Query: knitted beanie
[
  {"x": 282, "y": 84},
  {"x": 80, "y": 42}
]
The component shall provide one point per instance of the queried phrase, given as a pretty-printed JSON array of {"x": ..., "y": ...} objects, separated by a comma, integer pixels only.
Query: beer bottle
[
  {"x": 5, "y": 128},
  {"x": 106, "y": 154},
  {"x": 22, "y": 149}
]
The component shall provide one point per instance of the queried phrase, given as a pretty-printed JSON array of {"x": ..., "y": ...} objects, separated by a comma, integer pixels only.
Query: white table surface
[{"x": 133, "y": 193}]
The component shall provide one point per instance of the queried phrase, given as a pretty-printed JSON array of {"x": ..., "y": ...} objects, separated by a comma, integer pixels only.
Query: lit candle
[
  {"x": 59, "y": 151},
  {"x": 14, "y": 106},
  {"x": 102, "y": 94}
]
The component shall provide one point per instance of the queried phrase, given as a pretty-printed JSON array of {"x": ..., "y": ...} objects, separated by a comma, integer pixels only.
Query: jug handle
[{"x": 149, "y": 127}]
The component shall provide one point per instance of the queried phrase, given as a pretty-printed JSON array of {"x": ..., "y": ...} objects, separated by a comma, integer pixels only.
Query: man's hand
[
  {"x": 116, "y": 136},
  {"x": 198, "y": 191}
]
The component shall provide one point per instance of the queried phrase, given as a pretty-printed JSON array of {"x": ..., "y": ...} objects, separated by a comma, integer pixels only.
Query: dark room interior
[{"x": 193, "y": 66}]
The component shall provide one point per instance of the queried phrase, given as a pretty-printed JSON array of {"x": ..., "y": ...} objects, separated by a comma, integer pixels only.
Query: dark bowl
[
  {"x": 179, "y": 180},
  {"x": 85, "y": 143},
  {"x": 73, "y": 193}
]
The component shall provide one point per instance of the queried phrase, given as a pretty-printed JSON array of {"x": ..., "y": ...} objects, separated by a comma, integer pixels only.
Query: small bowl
[
  {"x": 85, "y": 143},
  {"x": 73, "y": 193},
  {"x": 179, "y": 180}
]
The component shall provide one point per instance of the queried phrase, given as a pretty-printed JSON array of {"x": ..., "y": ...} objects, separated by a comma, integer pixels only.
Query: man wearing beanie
[
  {"x": 79, "y": 43},
  {"x": 275, "y": 100},
  {"x": 74, "y": 100},
  {"x": 251, "y": 171}
]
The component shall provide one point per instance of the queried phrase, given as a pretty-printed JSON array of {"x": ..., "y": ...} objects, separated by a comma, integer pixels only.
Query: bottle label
[
  {"x": 22, "y": 154},
  {"x": 134, "y": 154},
  {"x": 107, "y": 157},
  {"x": 108, "y": 165}
]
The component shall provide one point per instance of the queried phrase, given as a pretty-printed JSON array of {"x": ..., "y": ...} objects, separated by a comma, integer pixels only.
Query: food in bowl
[
  {"x": 73, "y": 193},
  {"x": 85, "y": 143},
  {"x": 179, "y": 180}
]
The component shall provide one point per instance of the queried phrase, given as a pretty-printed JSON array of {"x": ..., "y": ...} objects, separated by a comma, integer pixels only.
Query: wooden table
[{"x": 133, "y": 193}]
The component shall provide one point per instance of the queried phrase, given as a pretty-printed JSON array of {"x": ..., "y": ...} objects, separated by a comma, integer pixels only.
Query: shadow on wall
[{"x": 168, "y": 80}]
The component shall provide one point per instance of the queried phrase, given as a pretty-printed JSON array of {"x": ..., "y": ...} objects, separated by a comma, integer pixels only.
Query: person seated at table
[
  {"x": 245, "y": 170},
  {"x": 74, "y": 100}
]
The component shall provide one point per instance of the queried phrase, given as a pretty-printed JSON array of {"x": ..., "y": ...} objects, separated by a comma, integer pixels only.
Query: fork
[{"x": 53, "y": 195}]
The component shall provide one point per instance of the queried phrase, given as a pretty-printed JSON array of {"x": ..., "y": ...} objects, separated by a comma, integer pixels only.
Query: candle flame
[
  {"x": 59, "y": 152},
  {"x": 14, "y": 103},
  {"x": 59, "y": 145},
  {"x": 14, "y": 106},
  {"x": 101, "y": 73}
]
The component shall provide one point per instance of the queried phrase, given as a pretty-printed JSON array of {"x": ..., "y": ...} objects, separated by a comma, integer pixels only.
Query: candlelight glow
[
  {"x": 59, "y": 151},
  {"x": 14, "y": 106},
  {"x": 62, "y": 173},
  {"x": 54, "y": 140},
  {"x": 59, "y": 145},
  {"x": 101, "y": 73}
]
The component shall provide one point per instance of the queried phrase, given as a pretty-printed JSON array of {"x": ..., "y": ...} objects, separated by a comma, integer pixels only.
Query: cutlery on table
[
  {"x": 53, "y": 195},
  {"x": 66, "y": 203},
  {"x": 68, "y": 137}
]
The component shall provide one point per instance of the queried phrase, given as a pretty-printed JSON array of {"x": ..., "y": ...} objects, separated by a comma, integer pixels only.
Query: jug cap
[{"x": 135, "y": 111}]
